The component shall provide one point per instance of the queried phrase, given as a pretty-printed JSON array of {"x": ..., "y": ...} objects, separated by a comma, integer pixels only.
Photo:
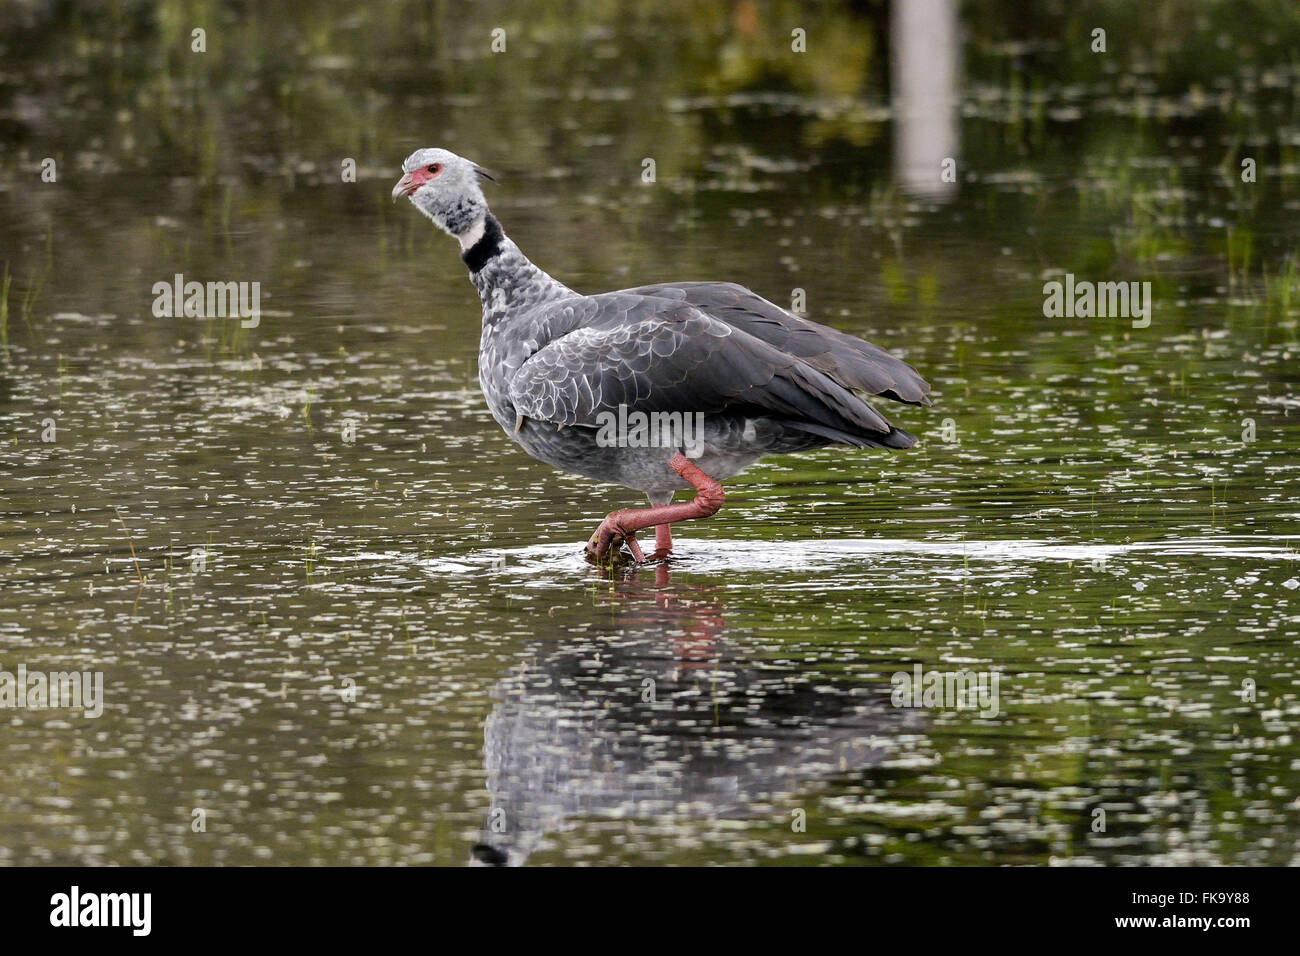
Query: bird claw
[{"x": 607, "y": 543}]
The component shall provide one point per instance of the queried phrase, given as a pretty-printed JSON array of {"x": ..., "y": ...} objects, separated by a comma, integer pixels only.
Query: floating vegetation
[{"x": 1103, "y": 514}]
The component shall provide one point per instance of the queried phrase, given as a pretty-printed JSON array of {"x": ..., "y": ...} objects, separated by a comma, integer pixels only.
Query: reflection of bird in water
[{"x": 664, "y": 713}]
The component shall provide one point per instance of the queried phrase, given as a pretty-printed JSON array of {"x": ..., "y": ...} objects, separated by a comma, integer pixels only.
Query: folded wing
[
  {"x": 848, "y": 360},
  {"x": 654, "y": 353}
]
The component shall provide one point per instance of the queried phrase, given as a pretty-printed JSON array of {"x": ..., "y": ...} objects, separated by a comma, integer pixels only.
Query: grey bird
[{"x": 660, "y": 388}]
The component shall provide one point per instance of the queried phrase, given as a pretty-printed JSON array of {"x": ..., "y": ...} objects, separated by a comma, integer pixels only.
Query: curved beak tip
[{"x": 403, "y": 187}]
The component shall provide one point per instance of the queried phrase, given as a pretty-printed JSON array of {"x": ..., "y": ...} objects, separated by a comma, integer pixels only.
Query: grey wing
[
  {"x": 849, "y": 360},
  {"x": 655, "y": 355}
]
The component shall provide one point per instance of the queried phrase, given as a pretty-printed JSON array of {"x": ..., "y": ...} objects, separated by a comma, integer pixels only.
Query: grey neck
[{"x": 506, "y": 280}]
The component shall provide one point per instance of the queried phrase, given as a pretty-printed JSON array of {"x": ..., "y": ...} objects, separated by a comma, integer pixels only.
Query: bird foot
[
  {"x": 620, "y": 558},
  {"x": 614, "y": 560},
  {"x": 606, "y": 544}
]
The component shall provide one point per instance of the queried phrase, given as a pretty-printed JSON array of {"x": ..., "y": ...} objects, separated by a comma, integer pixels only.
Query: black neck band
[{"x": 488, "y": 245}]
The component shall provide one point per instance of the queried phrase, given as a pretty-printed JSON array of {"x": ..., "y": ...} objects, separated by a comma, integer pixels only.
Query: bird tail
[{"x": 895, "y": 438}]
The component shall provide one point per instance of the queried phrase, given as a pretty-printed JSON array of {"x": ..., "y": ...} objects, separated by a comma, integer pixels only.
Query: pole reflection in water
[
  {"x": 664, "y": 709},
  {"x": 925, "y": 59}
]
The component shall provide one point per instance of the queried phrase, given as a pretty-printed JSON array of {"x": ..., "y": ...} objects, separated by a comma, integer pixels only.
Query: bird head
[{"x": 445, "y": 187}]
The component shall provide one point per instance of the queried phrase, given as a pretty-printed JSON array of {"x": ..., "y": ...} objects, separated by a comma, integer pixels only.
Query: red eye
[{"x": 436, "y": 168}]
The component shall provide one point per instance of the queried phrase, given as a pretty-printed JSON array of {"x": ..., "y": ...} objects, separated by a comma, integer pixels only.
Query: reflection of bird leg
[
  {"x": 699, "y": 646},
  {"x": 711, "y": 622},
  {"x": 663, "y": 577},
  {"x": 693, "y": 655},
  {"x": 699, "y": 649}
]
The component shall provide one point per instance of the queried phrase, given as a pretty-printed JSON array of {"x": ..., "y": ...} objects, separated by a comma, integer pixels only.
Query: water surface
[{"x": 366, "y": 643}]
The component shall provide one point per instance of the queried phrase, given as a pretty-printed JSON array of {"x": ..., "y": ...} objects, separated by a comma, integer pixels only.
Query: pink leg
[
  {"x": 663, "y": 542},
  {"x": 626, "y": 523},
  {"x": 663, "y": 545}
]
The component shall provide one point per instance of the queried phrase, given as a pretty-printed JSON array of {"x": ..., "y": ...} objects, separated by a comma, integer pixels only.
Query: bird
[{"x": 659, "y": 388}]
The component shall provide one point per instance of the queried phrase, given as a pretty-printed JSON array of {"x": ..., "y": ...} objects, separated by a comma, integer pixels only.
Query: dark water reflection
[
  {"x": 338, "y": 613},
  {"x": 660, "y": 712}
]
